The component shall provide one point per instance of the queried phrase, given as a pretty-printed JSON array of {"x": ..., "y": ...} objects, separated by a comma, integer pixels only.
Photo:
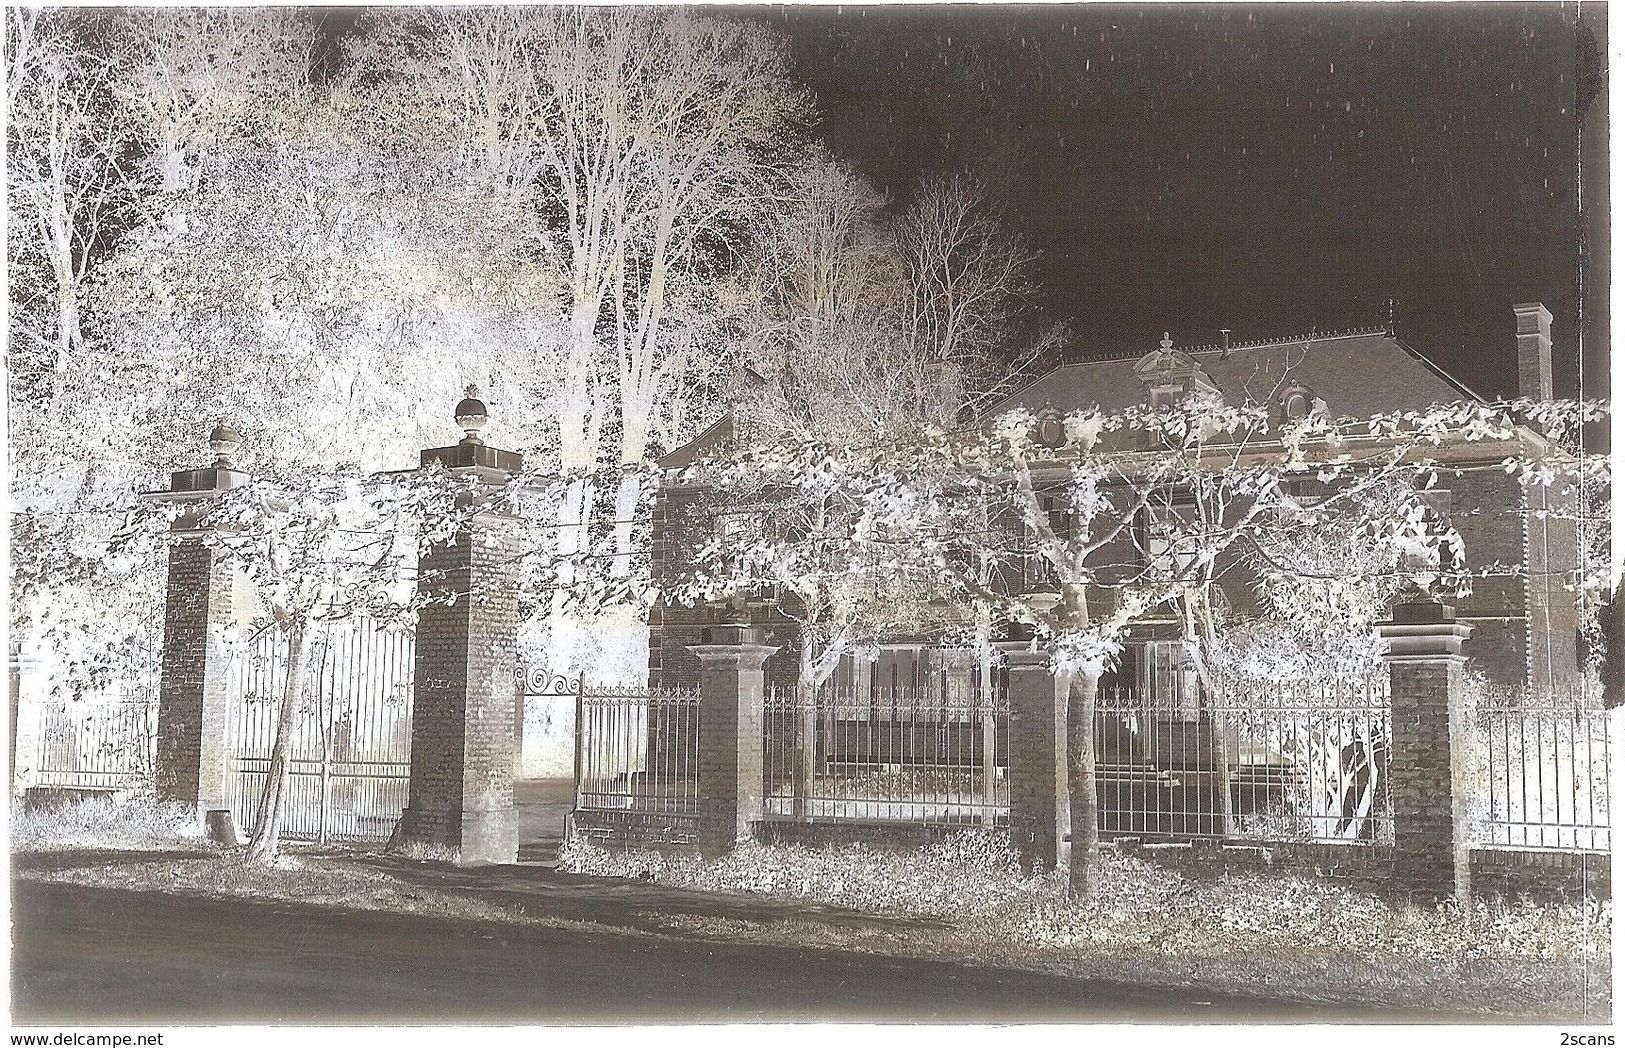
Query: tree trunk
[
  {"x": 573, "y": 538},
  {"x": 628, "y": 497},
  {"x": 324, "y": 725},
  {"x": 262, "y": 846},
  {"x": 806, "y": 748},
  {"x": 1208, "y": 698},
  {"x": 1080, "y": 746},
  {"x": 990, "y": 726}
]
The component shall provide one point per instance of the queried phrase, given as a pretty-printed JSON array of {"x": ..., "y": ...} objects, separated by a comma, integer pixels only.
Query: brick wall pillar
[
  {"x": 1038, "y": 808},
  {"x": 732, "y": 689},
  {"x": 1428, "y": 766},
  {"x": 204, "y": 600},
  {"x": 465, "y": 699}
]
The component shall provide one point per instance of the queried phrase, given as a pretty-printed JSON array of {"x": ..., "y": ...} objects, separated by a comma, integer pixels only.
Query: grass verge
[
  {"x": 109, "y": 823},
  {"x": 1275, "y": 933},
  {"x": 961, "y": 899}
]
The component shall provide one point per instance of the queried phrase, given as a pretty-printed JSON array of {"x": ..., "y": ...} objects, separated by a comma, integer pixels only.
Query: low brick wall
[
  {"x": 634, "y": 829},
  {"x": 48, "y": 798},
  {"x": 1369, "y": 866},
  {"x": 882, "y": 835},
  {"x": 1542, "y": 874},
  {"x": 1495, "y": 872}
]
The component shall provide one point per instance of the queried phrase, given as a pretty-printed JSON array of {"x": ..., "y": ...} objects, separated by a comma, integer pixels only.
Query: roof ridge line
[
  {"x": 1313, "y": 336},
  {"x": 1257, "y": 343}
]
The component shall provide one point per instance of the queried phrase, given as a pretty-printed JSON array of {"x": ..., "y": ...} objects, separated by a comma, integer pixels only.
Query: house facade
[{"x": 1522, "y": 608}]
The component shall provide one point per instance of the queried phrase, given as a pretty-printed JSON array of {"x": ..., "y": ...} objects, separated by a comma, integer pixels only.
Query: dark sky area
[
  {"x": 1269, "y": 169},
  {"x": 1272, "y": 169}
]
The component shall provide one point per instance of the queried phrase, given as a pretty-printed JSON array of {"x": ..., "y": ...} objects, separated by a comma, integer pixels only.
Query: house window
[
  {"x": 1168, "y": 682},
  {"x": 1166, "y": 550},
  {"x": 1300, "y": 402}
]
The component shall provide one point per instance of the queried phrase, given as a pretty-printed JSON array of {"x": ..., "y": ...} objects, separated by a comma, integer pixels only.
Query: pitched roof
[
  {"x": 1357, "y": 374},
  {"x": 718, "y": 432}
]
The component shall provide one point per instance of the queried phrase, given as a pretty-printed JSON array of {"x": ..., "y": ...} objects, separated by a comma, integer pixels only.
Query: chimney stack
[
  {"x": 1534, "y": 350},
  {"x": 1224, "y": 342}
]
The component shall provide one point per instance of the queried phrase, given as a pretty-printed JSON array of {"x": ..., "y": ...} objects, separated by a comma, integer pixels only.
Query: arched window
[
  {"x": 1050, "y": 428},
  {"x": 1298, "y": 402}
]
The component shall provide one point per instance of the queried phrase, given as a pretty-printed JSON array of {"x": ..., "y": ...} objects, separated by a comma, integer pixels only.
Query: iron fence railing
[
  {"x": 921, "y": 755},
  {"x": 100, "y": 733},
  {"x": 637, "y": 750},
  {"x": 1541, "y": 777},
  {"x": 1291, "y": 764},
  {"x": 86, "y": 744},
  {"x": 1283, "y": 764},
  {"x": 350, "y": 754}
]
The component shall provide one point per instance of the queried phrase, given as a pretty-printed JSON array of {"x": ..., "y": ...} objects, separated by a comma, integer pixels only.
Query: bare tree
[
  {"x": 869, "y": 328},
  {"x": 826, "y": 352},
  {"x": 968, "y": 275},
  {"x": 68, "y": 183},
  {"x": 659, "y": 130},
  {"x": 823, "y": 259},
  {"x": 196, "y": 78},
  {"x": 459, "y": 81}
]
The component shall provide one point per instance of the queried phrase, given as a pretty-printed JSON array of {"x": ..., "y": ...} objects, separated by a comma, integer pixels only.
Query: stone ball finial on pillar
[
  {"x": 224, "y": 442},
  {"x": 471, "y": 414}
]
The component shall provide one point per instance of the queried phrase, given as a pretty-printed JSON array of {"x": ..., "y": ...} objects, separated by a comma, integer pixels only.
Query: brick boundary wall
[
  {"x": 612, "y": 829},
  {"x": 883, "y": 836},
  {"x": 1542, "y": 874},
  {"x": 1496, "y": 872}
]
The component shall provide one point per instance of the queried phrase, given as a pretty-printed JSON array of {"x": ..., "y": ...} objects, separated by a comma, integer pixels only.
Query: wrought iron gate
[{"x": 350, "y": 758}]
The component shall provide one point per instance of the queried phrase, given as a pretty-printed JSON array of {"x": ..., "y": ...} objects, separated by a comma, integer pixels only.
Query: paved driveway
[{"x": 103, "y": 955}]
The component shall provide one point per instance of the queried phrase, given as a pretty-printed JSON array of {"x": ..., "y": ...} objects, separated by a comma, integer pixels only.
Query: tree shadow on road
[
  {"x": 83, "y": 858},
  {"x": 616, "y": 901}
]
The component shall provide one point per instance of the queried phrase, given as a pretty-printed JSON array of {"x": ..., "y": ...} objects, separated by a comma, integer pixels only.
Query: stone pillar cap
[
  {"x": 732, "y": 633},
  {"x": 746, "y": 656},
  {"x": 1020, "y": 653},
  {"x": 1425, "y": 632},
  {"x": 1423, "y": 611}
]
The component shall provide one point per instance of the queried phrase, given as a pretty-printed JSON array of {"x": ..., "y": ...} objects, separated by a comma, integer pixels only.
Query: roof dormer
[{"x": 1169, "y": 375}]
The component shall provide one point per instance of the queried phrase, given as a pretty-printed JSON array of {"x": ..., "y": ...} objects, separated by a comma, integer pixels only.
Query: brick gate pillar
[
  {"x": 1428, "y": 766},
  {"x": 1037, "y": 755},
  {"x": 28, "y": 699},
  {"x": 465, "y": 699},
  {"x": 204, "y": 600},
  {"x": 732, "y": 691}
]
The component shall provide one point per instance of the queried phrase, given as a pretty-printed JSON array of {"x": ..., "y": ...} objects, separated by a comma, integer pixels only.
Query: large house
[{"x": 1525, "y": 623}]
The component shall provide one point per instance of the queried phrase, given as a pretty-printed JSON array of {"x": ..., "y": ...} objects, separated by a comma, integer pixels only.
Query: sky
[{"x": 1273, "y": 170}]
